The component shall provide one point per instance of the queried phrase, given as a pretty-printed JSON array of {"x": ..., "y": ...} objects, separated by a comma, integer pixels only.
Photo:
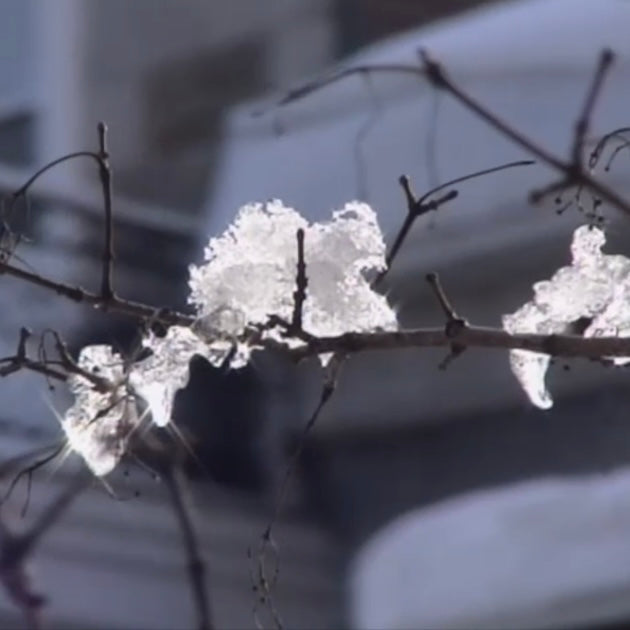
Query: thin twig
[
  {"x": 105, "y": 174},
  {"x": 319, "y": 83},
  {"x": 29, "y": 470},
  {"x": 22, "y": 190},
  {"x": 196, "y": 566},
  {"x": 265, "y": 583},
  {"x": 15, "y": 550},
  {"x": 603, "y": 141},
  {"x": 20, "y": 361},
  {"x": 581, "y": 126},
  {"x": 301, "y": 283}
]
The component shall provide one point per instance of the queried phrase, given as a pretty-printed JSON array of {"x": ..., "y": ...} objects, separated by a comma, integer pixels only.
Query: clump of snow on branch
[
  {"x": 98, "y": 425},
  {"x": 594, "y": 286},
  {"x": 250, "y": 273},
  {"x": 157, "y": 378}
]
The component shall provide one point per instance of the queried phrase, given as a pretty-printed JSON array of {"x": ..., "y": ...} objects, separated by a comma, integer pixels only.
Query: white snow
[
  {"x": 595, "y": 286},
  {"x": 250, "y": 273}
]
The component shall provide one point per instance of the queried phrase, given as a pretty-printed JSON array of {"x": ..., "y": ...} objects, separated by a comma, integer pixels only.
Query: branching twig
[
  {"x": 440, "y": 79},
  {"x": 583, "y": 122},
  {"x": 114, "y": 304},
  {"x": 416, "y": 207},
  {"x": 9, "y": 365}
]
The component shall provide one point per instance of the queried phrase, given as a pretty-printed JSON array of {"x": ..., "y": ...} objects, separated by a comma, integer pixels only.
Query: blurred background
[{"x": 178, "y": 82}]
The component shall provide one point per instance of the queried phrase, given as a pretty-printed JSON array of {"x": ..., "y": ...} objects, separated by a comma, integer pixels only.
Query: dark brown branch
[
  {"x": 441, "y": 80},
  {"x": 20, "y": 361},
  {"x": 44, "y": 365},
  {"x": 581, "y": 126},
  {"x": 113, "y": 304},
  {"x": 416, "y": 207},
  {"x": 454, "y": 323},
  {"x": 196, "y": 566},
  {"x": 105, "y": 174},
  {"x": 572, "y": 177},
  {"x": 301, "y": 283},
  {"x": 570, "y": 346}
]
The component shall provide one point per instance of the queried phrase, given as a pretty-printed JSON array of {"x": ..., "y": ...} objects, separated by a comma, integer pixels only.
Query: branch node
[
  {"x": 434, "y": 71},
  {"x": 454, "y": 323},
  {"x": 412, "y": 202}
]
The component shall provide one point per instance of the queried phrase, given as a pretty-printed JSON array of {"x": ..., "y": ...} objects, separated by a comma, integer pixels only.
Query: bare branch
[
  {"x": 15, "y": 550},
  {"x": 581, "y": 126},
  {"x": 196, "y": 566},
  {"x": 570, "y": 346},
  {"x": 454, "y": 323},
  {"x": 416, "y": 207},
  {"x": 301, "y": 283},
  {"x": 113, "y": 304},
  {"x": 264, "y": 582},
  {"x": 319, "y": 83},
  {"x": 105, "y": 174},
  {"x": 440, "y": 79}
]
